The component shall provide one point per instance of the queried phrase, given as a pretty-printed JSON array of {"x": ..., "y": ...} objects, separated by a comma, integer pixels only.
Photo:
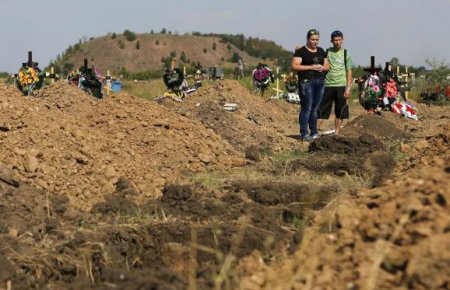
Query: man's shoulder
[{"x": 334, "y": 50}]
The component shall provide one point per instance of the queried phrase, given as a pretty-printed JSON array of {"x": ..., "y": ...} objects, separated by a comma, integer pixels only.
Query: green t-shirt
[{"x": 337, "y": 76}]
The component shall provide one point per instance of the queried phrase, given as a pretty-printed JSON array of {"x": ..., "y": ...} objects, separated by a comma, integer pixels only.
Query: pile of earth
[
  {"x": 365, "y": 148},
  {"x": 375, "y": 125},
  {"x": 258, "y": 121},
  {"x": 64, "y": 141},
  {"x": 364, "y": 156}
]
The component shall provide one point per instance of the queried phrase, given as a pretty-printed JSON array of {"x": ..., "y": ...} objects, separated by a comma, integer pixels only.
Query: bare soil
[{"x": 124, "y": 193}]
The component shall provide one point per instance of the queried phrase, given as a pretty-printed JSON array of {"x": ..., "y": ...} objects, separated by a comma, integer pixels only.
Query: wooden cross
[{"x": 51, "y": 75}]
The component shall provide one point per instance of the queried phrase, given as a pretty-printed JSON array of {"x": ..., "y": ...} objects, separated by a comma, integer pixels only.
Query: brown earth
[
  {"x": 262, "y": 123},
  {"x": 104, "y": 194},
  {"x": 64, "y": 141}
]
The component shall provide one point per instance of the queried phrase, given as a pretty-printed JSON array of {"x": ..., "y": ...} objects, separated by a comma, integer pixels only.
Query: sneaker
[
  {"x": 315, "y": 136},
  {"x": 328, "y": 132},
  {"x": 307, "y": 138}
]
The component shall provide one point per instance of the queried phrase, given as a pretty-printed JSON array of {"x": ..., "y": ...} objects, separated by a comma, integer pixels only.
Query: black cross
[
  {"x": 372, "y": 69},
  {"x": 30, "y": 62}
]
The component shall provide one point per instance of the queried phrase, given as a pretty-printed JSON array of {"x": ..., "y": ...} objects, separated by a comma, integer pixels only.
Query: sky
[{"x": 411, "y": 30}]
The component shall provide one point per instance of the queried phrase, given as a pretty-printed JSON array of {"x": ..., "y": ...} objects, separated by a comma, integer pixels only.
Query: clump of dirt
[
  {"x": 373, "y": 125},
  {"x": 364, "y": 156},
  {"x": 283, "y": 193},
  {"x": 373, "y": 166},
  {"x": 257, "y": 122},
  {"x": 6, "y": 270},
  {"x": 359, "y": 146},
  {"x": 253, "y": 153}
]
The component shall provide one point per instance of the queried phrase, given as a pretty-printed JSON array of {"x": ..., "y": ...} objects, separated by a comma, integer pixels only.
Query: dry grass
[
  {"x": 152, "y": 88},
  {"x": 276, "y": 169},
  {"x": 145, "y": 89}
]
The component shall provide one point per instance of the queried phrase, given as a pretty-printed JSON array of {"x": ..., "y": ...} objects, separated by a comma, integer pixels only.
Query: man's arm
[
  {"x": 326, "y": 65},
  {"x": 348, "y": 89}
]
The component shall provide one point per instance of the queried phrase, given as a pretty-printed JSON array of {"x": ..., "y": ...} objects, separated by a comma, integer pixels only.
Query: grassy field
[{"x": 145, "y": 89}]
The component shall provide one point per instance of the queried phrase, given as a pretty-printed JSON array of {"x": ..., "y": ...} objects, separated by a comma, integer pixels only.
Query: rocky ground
[{"x": 125, "y": 193}]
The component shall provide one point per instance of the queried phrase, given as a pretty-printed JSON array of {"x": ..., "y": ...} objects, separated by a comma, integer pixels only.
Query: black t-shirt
[{"x": 309, "y": 58}]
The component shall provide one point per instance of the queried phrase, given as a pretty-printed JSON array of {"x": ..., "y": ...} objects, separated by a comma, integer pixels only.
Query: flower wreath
[{"x": 29, "y": 79}]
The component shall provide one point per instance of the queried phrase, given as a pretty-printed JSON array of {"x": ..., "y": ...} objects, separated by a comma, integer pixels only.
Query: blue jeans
[{"x": 311, "y": 93}]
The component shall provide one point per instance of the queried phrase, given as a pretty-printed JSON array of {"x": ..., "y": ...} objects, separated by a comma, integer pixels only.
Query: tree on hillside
[
  {"x": 394, "y": 62},
  {"x": 67, "y": 67},
  {"x": 167, "y": 61},
  {"x": 183, "y": 56},
  {"x": 129, "y": 35},
  {"x": 235, "y": 57},
  {"x": 163, "y": 31},
  {"x": 138, "y": 44},
  {"x": 439, "y": 73}
]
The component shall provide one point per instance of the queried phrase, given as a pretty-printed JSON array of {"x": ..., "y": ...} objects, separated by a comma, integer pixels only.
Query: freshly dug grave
[
  {"x": 375, "y": 125},
  {"x": 258, "y": 121}
]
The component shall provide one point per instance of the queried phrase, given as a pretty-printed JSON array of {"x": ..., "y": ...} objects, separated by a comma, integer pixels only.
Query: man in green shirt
[{"x": 337, "y": 83}]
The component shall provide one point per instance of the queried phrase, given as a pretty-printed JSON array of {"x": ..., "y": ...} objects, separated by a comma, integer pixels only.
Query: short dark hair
[
  {"x": 336, "y": 33},
  {"x": 312, "y": 32}
]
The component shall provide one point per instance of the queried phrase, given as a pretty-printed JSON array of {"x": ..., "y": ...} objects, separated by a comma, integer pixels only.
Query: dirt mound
[
  {"x": 362, "y": 145},
  {"x": 67, "y": 142},
  {"x": 257, "y": 122},
  {"x": 374, "y": 125},
  {"x": 364, "y": 156}
]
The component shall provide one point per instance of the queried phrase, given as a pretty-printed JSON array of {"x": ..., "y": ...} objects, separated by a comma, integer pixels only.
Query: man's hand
[{"x": 347, "y": 93}]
